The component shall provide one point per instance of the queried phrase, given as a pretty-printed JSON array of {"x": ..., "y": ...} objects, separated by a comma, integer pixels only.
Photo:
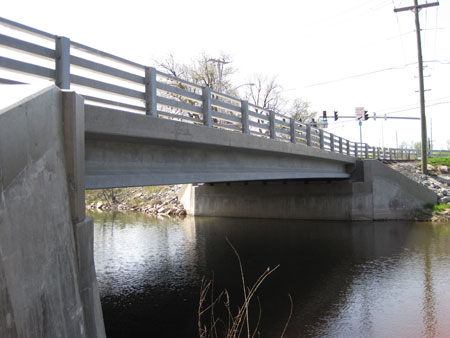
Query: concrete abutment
[
  {"x": 375, "y": 192},
  {"x": 48, "y": 286}
]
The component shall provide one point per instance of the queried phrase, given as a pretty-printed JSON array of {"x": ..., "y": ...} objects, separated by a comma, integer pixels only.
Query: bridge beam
[{"x": 125, "y": 149}]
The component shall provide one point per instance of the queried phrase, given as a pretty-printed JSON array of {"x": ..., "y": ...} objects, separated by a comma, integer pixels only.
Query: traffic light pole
[{"x": 423, "y": 120}]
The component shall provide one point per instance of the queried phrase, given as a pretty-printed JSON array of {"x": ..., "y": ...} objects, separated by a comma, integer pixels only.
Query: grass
[
  {"x": 435, "y": 161},
  {"x": 121, "y": 194},
  {"x": 437, "y": 207},
  {"x": 441, "y": 207},
  {"x": 237, "y": 324}
]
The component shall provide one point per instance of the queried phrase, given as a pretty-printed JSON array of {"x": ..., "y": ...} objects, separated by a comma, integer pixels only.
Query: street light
[{"x": 251, "y": 84}]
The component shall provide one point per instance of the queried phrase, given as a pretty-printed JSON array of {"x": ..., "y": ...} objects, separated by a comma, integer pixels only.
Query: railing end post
[{"x": 62, "y": 62}]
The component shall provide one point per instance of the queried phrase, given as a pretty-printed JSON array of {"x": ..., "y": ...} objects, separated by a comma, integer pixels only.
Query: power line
[
  {"x": 361, "y": 75},
  {"x": 444, "y": 62}
]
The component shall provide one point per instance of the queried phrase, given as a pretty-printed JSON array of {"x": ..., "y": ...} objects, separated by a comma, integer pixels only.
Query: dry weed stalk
[{"x": 236, "y": 323}]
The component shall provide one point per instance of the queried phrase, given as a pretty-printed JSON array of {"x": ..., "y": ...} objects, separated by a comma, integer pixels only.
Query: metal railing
[{"x": 108, "y": 80}]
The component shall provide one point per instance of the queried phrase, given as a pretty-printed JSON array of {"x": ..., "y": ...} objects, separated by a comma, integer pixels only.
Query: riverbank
[{"x": 157, "y": 200}]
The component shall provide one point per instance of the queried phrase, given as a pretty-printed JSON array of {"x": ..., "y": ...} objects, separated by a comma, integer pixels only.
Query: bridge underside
[{"x": 124, "y": 149}]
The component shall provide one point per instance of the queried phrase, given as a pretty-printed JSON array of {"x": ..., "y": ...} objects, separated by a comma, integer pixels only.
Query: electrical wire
[{"x": 361, "y": 75}]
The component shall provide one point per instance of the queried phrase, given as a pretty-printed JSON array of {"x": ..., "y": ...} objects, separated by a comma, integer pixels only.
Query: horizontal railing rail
[{"x": 108, "y": 80}]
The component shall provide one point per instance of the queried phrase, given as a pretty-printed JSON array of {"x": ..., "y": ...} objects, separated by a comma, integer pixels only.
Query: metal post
[
  {"x": 62, "y": 62},
  {"x": 321, "y": 140},
  {"x": 293, "y": 132},
  {"x": 360, "y": 136},
  {"x": 207, "y": 119},
  {"x": 244, "y": 117},
  {"x": 273, "y": 135},
  {"x": 150, "y": 92}
]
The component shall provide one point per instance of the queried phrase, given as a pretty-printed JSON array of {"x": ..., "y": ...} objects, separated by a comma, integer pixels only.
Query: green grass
[
  {"x": 437, "y": 207},
  {"x": 441, "y": 207},
  {"x": 436, "y": 161}
]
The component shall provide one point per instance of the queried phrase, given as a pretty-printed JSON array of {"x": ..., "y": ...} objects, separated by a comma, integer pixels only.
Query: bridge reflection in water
[{"x": 385, "y": 279}]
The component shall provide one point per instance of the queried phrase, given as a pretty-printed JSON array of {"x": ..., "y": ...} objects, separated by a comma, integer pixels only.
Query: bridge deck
[{"x": 126, "y": 149}]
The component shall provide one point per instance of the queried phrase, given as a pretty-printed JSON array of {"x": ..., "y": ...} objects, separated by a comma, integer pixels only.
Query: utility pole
[
  {"x": 220, "y": 63},
  {"x": 423, "y": 120}
]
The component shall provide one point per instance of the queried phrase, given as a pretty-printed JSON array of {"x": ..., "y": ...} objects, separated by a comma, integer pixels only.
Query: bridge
[{"x": 109, "y": 122}]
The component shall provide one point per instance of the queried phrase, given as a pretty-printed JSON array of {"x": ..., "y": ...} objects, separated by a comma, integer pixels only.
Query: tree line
[{"x": 218, "y": 74}]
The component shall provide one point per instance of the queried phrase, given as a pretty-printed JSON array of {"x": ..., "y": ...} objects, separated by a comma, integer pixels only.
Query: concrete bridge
[{"x": 159, "y": 130}]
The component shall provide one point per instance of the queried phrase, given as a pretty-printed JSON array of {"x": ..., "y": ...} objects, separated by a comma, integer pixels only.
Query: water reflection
[{"x": 385, "y": 279}]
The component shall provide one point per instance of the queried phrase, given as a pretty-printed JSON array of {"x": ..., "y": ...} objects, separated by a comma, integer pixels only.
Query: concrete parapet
[{"x": 379, "y": 193}]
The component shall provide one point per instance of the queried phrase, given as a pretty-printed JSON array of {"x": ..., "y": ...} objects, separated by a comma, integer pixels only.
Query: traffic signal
[
  {"x": 324, "y": 116},
  {"x": 336, "y": 115},
  {"x": 374, "y": 116},
  {"x": 366, "y": 115}
]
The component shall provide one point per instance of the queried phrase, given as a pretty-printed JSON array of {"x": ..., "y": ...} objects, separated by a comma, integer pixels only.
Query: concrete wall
[
  {"x": 47, "y": 276},
  {"x": 378, "y": 193}
]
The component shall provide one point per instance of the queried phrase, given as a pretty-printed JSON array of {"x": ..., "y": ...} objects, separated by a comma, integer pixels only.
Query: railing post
[
  {"x": 321, "y": 140},
  {"x": 332, "y": 143},
  {"x": 273, "y": 136},
  {"x": 348, "y": 147},
  {"x": 244, "y": 117},
  {"x": 150, "y": 91},
  {"x": 62, "y": 62},
  {"x": 308, "y": 135},
  {"x": 366, "y": 151},
  {"x": 340, "y": 145},
  {"x": 293, "y": 134},
  {"x": 207, "y": 119},
  {"x": 378, "y": 153}
]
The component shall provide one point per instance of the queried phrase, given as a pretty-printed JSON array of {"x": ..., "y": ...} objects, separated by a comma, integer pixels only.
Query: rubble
[{"x": 164, "y": 202}]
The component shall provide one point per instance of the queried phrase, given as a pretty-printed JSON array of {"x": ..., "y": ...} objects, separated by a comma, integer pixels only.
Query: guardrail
[{"x": 108, "y": 80}]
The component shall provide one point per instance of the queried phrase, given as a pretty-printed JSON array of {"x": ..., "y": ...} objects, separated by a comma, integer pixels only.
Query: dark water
[{"x": 384, "y": 279}]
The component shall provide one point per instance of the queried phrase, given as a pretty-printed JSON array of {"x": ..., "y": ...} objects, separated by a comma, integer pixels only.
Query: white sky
[{"x": 304, "y": 43}]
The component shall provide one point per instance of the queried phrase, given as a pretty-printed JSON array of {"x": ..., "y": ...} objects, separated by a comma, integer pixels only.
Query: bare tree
[
  {"x": 265, "y": 92},
  {"x": 171, "y": 67},
  {"x": 216, "y": 73}
]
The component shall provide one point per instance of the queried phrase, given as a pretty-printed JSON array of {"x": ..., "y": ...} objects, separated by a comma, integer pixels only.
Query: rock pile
[{"x": 164, "y": 202}]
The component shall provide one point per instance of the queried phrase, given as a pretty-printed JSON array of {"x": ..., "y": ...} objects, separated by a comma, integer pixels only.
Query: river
[{"x": 362, "y": 279}]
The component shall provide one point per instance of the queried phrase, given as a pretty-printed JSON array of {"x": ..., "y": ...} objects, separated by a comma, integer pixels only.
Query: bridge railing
[{"x": 108, "y": 80}]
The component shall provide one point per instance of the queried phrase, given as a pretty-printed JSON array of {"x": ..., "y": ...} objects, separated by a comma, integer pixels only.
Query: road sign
[{"x": 359, "y": 113}]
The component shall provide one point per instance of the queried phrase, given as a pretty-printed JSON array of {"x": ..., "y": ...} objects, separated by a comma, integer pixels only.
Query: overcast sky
[{"x": 336, "y": 54}]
